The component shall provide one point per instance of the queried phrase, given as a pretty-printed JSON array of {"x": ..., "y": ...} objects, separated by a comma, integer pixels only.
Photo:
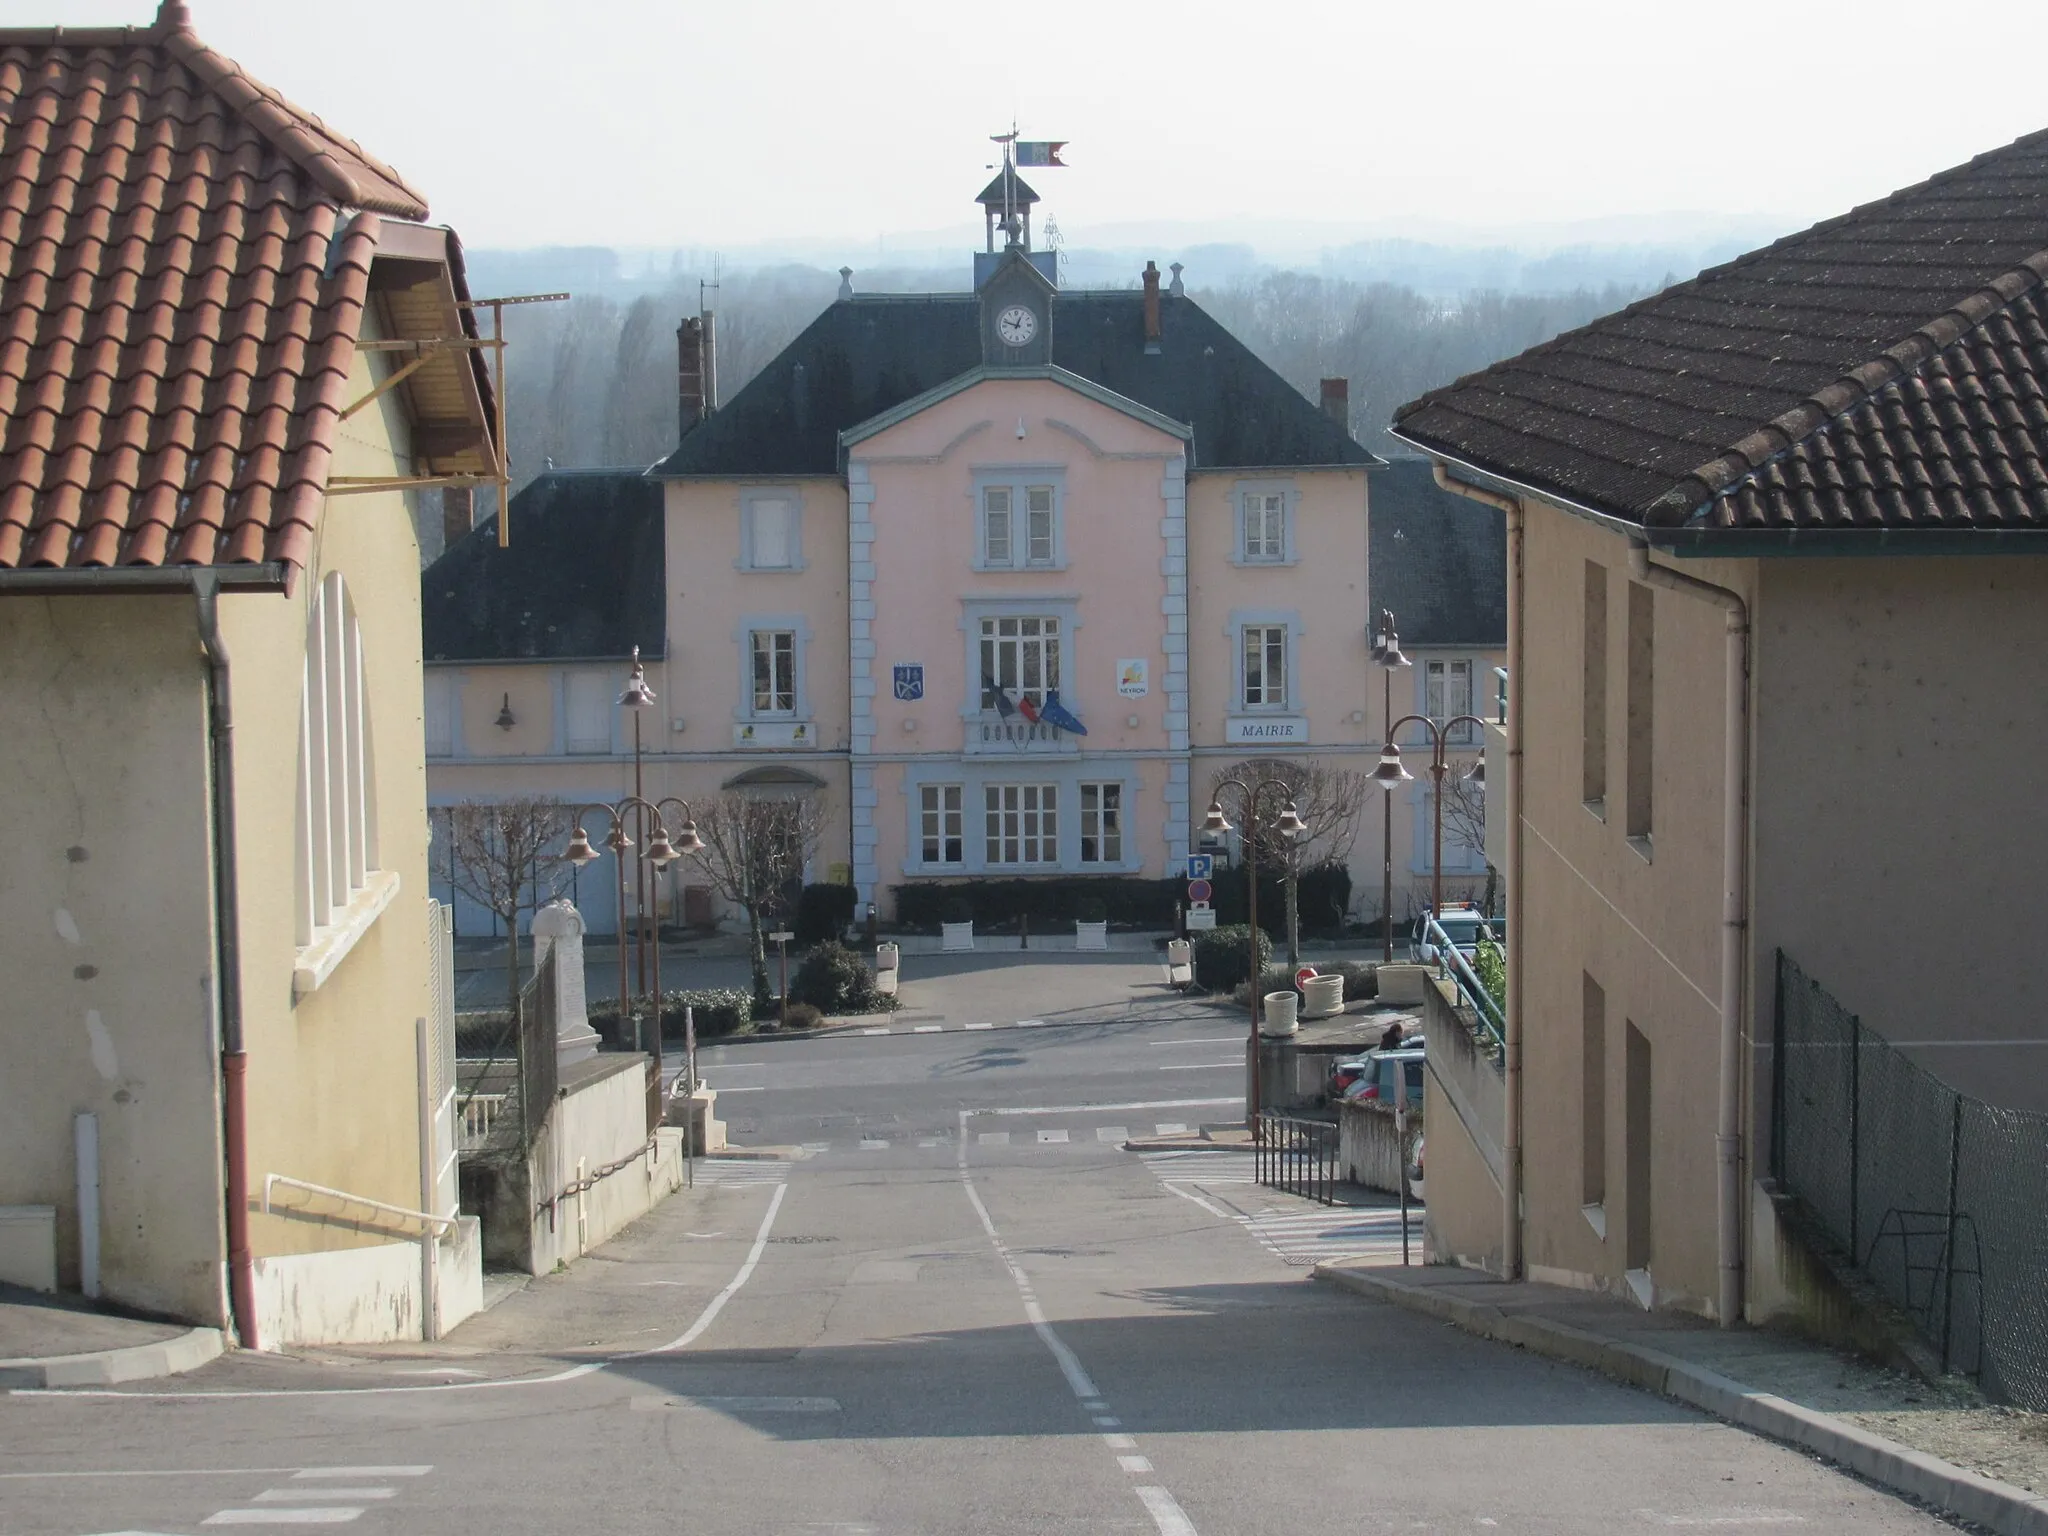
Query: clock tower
[{"x": 1014, "y": 283}]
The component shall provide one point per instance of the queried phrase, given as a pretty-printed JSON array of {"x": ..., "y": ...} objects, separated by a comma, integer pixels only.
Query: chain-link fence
[{"x": 1939, "y": 1199}]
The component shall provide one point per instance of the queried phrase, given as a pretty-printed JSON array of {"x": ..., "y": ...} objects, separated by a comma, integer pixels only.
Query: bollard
[{"x": 1023, "y": 930}]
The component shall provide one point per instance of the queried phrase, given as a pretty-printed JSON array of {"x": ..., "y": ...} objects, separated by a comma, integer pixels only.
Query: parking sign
[{"x": 1201, "y": 866}]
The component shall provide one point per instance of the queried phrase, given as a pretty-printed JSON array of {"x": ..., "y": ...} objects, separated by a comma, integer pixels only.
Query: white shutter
[
  {"x": 772, "y": 529},
  {"x": 589, "y": 723}
]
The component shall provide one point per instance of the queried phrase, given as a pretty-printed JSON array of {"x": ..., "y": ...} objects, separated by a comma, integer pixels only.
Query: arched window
[{"x": 337, "y": 813}]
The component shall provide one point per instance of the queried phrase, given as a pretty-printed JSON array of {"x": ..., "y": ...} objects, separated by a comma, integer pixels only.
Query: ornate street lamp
[
  {"x": 1288, "y": 825},
  {"x": 1391, "y": 773},
  {"x": 1386, "y": 654}
]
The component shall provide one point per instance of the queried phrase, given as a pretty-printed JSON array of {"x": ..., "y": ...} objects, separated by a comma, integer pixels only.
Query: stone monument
[{"x": 558, "y": 930}]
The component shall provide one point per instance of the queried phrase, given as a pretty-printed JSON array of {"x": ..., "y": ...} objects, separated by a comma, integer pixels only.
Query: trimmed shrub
[
  {"x": 956, "y": 909},
  {"x": 1091, "y": 909},
  {"x": 1325, "y": 896},
  {"x": 823, "y": 912},
  {"x": 1220, "y": 957},
  {"x": 719, "y": 1011},
  {"x": 802, "y": 1016},
  {"x": 833, "y": 979}
]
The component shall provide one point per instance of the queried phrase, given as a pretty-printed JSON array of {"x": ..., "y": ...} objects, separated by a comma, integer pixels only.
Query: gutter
[
  {"x": 140, "y": 580},
  {"x": 1511, "y": 1047},
  {"x": 1734, "y": 911},
  {"x": 234, "y": 1054}
]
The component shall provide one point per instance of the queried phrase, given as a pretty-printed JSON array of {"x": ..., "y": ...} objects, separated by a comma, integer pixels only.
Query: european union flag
[{"x": 1053, "y": 712}]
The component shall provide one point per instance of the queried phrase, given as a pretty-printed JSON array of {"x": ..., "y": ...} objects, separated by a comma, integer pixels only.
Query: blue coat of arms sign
[{"x": 909, "y": 681}]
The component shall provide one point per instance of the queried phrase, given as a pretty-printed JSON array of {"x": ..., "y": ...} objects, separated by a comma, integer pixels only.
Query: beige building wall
[
  {"x": 1619, "y": 933},
  {"x": 105, "y": 899}
]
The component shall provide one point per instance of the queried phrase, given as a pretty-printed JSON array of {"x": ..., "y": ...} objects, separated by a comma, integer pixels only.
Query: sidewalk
[
  {"x": 59, "y": 1341},
  {"x": 1940, "y": 1444}
]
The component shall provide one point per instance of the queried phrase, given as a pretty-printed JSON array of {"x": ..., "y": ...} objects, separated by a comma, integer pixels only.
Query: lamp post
[
  {"x": 659, "y": 852},
  {"x": 1391, "y": 773},
  {"x": 1289, "y": 824},
  {"x": 637, "y": 697},
  {"x": 1386, "y": 653}
]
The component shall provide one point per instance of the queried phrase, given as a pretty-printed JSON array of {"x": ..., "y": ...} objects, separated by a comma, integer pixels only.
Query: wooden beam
[{"x": 397, "y": 377}]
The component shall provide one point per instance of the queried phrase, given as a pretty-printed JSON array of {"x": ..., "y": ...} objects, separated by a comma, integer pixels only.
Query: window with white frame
[
  {"x": 1020, "y": 655},
  {"x": 774, "y": 671},
  {"x": 770, "y": 533},
  {"x": 1447, "y": 693},
  {"x": 1265, "y": 666},
  {"x": 588, "y": 699},
  {"x": 1023, "y": 823},
  {"x": 1019, "y": 526},
  {"x": 941, "y": 823},
  {"x": 1102, "y": 823},
  {"x": 1265, "y": 525},
  {"x": 441, "y": 700},
  {"x": 337, "y": 799}
]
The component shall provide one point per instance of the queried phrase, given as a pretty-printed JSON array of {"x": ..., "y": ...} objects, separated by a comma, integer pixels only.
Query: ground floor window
[
  {"x": 1023, "y": 823},
  {"x": 940, "y": 816},
  {"x": 1102, "y": 823}
]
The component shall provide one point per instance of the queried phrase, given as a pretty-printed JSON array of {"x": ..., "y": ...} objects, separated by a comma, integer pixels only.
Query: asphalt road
[{"x": 964, "y": 1309}]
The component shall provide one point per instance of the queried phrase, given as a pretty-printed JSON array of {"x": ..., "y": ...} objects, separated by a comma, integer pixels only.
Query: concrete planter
[
  {"x": 954, "y": 937},
  {"x": 888, "y": 956},
  {"x": 1278, "y": 1016},
  {"x": 1091, "y": 935},
  {"x": 1322, "y": 997}
]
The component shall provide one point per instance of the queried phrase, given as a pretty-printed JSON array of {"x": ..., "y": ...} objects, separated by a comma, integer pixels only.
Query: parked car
[
  {"x": 1464, "y": 923},
  {"x": 1344, "y": 1074},
  {"x": 1377, "y": 1083},
  {"x": 1415, "y": 1172}
]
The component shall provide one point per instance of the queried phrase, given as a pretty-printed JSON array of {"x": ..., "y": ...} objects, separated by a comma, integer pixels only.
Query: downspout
[
  {"x": 1511, "y": 1048},
  {"x": 1734, "y": 912},
  {"x": 234, "y": 1055}
]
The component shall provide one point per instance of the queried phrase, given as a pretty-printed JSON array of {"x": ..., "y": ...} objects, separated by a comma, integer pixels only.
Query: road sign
[
  {"x": 1199, "y": 892},
  {"x": 780, "y": 938},
  {"x": 1201, "y": 866}
]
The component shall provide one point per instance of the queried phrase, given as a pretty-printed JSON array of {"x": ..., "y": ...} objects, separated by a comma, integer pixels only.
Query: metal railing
[
  {"x": 1297, "y": 1156},
  {"x": 426, "y": 1220},
  {"x": 1477, "y": 998}
]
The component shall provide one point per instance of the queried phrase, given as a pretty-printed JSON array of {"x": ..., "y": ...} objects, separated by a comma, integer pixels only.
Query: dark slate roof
[
  {"x": 1883, "y": 369},
  {"x": 1020, "y": 193},
  {"x": 1439, "y": 560},
  {"x": 870, "y": 353},
  {"x": 584, "y": 578}
]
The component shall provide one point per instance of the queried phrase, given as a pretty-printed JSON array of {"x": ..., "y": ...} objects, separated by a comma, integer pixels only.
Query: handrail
[
  {"x": 427, "y": 1219},
  {"x": 1500, "y": 696},
  {"x": 1468, "y": 983}
]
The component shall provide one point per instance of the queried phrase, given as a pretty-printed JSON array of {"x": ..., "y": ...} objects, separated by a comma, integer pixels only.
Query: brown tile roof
[
  {"x": 184, "y": 266},
  {"x": 1883, "y": 369}
]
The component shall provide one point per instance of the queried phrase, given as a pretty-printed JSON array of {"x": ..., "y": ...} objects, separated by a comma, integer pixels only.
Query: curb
[
  {"x": 110, "y": 1367},
  {"x": 1985, "y": 1501}
]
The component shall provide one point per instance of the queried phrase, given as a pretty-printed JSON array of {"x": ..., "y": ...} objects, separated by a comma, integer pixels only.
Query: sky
[{"x": 859, "y": 125}]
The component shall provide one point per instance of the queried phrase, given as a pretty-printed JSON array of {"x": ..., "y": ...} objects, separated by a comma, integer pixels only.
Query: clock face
[{"x": 1016, "y": 325}]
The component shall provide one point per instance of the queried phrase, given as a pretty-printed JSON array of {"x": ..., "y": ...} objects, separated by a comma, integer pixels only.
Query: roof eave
[
  {"x": 142, "y": 580},
  {"x": 984, "y": 374}
]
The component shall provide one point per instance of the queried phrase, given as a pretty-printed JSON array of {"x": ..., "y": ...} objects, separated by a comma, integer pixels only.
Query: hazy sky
[{"x": 673, "y": 122}]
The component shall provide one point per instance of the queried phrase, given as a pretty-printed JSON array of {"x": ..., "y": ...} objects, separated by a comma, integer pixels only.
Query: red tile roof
[
  {"x": 184, "y": 266},
  {"x": 1884, "y": 369}
]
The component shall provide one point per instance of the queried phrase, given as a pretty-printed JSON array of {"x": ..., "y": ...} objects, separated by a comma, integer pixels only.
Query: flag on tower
[{"x": 1040, "y": 152}]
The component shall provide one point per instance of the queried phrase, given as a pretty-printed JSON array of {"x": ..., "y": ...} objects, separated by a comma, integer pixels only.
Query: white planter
[
  {"x": 1091, "y": 935},
  {"x": 1278, "y": 1016},
  {"x": 956, "y": 936},
  {"x": 1322, "y": 997},
  {"x": 887, "y": 956}
]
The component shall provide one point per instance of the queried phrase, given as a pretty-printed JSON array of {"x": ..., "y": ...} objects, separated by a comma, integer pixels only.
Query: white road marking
[
  {"x": 1172, "y": 1127},
  {"x": 309, "y": 1516},
  {"x": 1088, "y": 1109},
  {"x": 159, "y": 1472},
  {"x": 1165, "y": 1513},
  {"x": 1134, "y": 1463},
  {"x": 1108, "y": 1421},
  {"x": 754, "y": 1087},
  {"x": 1202, "y": 1066},
  {"x": 309, "y": 1472},
  {"x": 1002, "y": 1138},
  {"x": 439, "y": 1370},
  {"x": 933, "y": 1029},
  {"x": 885, "y": 1031},
  {"x": 740, "y": 1404},
  {"x": 877, "y": 1144},
  {"x": 1049, "y": 1138},
  {"x": 1114, "y": 1133},
  {"x": 991, "y": 1026},
  {"x": 1040, "y": 1023},
  {"x": 322, "y": 1491},
  {"x": 926, "y": 1146},
  {"x": 1204, "y": 1040}
]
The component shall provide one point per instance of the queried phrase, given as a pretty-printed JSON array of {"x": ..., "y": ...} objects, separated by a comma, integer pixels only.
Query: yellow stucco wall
[{"x": 105, "y": 904}]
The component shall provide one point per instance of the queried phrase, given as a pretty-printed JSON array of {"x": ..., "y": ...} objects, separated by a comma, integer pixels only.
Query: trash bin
[{"x": 1279, "y": 1013}]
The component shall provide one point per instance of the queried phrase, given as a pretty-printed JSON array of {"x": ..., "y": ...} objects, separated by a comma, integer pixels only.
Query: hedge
[
  {"x": 1126, "y": 901},
  {"x": 1325, "y": 896},
  {"x": 823, "y": 912},
  {"x": 1220, "y": 956},
  {"x": 719, "y": 1011}
]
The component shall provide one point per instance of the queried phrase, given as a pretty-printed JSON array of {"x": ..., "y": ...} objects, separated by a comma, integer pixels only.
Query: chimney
[
  {"x": 1337, "y": 401},
  {"x": 458, "y": 513},
  {"x": 1177, "y": 288},
  {"x": 846, "y": 282},
  {"x": 689, "y": 374},
  {"x": 1151, "y": 306}
]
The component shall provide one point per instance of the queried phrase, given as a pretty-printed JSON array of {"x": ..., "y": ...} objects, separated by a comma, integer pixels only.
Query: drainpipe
[
  {"x": 1734, "y": 912},
  {"x": 234, "y": 1055},
  {"x": 1511, "y": 1048}
]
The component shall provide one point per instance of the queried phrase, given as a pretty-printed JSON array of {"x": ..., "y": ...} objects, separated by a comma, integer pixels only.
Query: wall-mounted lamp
[{"x": 506, "y": 719}]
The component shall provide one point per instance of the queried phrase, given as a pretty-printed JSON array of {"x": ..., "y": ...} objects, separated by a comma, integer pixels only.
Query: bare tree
[
  {"x": 1465, "y": 822},
  {"x": 1328, "y": 800},
  {"x": 756, "y": 848},
  {"x": 505, "y": 855}
]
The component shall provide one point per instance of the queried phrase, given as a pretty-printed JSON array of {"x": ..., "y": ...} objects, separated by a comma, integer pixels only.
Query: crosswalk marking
[
  {"x": 308, "y": 1515},
  {"x": 873, "y": 1144},
  {"x": 307, "y": 1495},
  {"x": 1112, "y": 1133},
  {"x": 1299, "y": 1235},
  {"x": 981, "y": 1026},
  {"x": 1170, "y": 1128},
  {"x": 926, "y": 1029},
  {"x": 735, "y": 1170},
  {"x": 1051, "y": 1138},
  {"x": 996, "y": 1138}
]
